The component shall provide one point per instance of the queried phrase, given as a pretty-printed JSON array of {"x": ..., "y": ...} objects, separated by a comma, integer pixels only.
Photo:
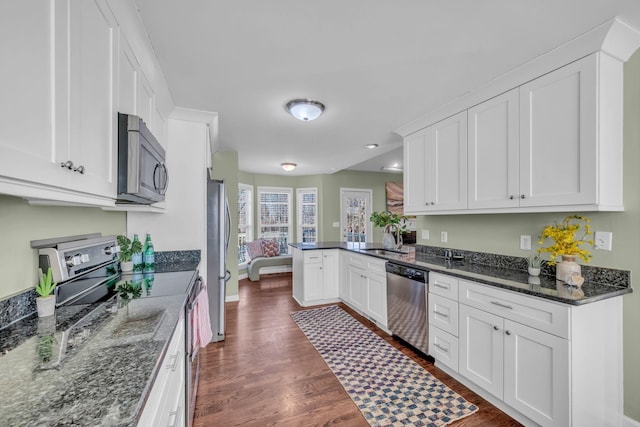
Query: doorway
[{"x": 355, "y": 210}]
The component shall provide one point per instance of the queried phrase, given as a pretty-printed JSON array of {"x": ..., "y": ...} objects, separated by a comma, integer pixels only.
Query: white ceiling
[{"x": 376, "y": 64}]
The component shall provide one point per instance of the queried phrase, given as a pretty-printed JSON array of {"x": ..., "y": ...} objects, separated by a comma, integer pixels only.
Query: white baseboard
[
  {"x": 630, "y": 422},
  {"x": 242, "y": 276},
  {"x": 232, "y": 298},
  {"x": 276, "y": 269}
]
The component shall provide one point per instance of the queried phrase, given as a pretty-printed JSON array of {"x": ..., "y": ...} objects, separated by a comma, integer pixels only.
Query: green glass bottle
[
  {"x": 136, "y": 258},
  {"x": 148, "y": 255}
]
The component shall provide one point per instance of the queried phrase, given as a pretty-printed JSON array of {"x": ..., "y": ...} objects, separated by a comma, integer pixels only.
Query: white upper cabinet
[
  {"x": 558, "y": 139},
  {"x": 27, "y": 142},
  {"x": 436, "y": 167},
  {"x": 127, "y": 77},
  {"x": 494, "y": 153},
  {"x": 146, "y": 101},
  {"x": 91, "y": 124}
]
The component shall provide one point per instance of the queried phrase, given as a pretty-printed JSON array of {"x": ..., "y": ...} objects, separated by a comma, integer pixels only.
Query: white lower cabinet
[
  {"x": 165, "y": 404},
  {"x": 316, "y": 276},
  {"x": 543, "y": 361},
  {"x": 365, "y": 288},
  {"x": 442, "y": 306}
]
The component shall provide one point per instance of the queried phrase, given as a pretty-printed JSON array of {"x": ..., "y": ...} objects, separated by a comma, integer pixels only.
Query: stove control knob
[
  {"x": 72, "y": 261},
  {"x": 84, "y": 258},
  {"x": 111, "y": 250}
]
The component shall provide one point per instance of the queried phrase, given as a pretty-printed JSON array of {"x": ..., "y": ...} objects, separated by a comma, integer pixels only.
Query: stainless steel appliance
[
  {"x": 218, "y": 233},
  {"x": 142, "y": 173},
  {"x": 407, "y": 305}
]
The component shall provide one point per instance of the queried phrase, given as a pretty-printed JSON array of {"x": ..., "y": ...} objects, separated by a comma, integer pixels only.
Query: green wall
[
  {"x": 501, "y": 234},
  {"x": 20, "y": 223}
]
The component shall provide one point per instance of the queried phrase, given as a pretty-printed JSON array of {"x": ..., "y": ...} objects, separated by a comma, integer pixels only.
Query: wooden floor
[{"x": 267, "y": 373}]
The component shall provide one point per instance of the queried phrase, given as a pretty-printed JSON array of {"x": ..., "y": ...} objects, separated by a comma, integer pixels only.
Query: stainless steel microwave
[{"x": 142, "y": 173}]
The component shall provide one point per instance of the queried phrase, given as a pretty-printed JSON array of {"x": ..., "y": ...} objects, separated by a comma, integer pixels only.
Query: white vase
[
  {"x": 46, "y": 305},
  {"x": 126, "y": 266},
  {"x": 567, "y": 267},
  {"x": 388, "y": 241}
]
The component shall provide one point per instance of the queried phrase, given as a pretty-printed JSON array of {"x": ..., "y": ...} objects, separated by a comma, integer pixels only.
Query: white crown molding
[{"x": 614, "y": 37}]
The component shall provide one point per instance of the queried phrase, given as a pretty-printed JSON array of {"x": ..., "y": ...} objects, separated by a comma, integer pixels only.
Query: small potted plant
[
  {"x": 389, "y": 221},
  {"x": 46, "y": 301},
  {"x": 535, "y": 262},
  {"x": 127, "y": 249},
  {"x": 567, "y": 245}
]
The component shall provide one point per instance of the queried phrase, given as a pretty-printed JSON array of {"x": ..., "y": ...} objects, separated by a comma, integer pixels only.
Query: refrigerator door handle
[
  {"x": 227, "y": 237},
  {"x": 227, "y": 276}
]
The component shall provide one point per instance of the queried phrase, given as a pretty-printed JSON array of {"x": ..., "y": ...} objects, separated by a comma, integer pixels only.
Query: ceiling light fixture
[
  {"x": 288, "y": 166},
  {"x": 394, "y": 168},
  {"x": 371, "y": 146},
  {"x": 305, "y": 109}
]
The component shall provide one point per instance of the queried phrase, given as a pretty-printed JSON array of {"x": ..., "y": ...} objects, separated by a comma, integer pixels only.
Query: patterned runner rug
[{"x": 389, "y": 388}]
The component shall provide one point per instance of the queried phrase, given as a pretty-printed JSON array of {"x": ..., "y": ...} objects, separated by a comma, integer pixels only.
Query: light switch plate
[
  {"x": 602, "y": 240},
  {"x": 336, "y": 224},
  {"x": 525, "y": 242},
  {"x": 443, "y": 236},
  {"x": 425, "y": 234}
]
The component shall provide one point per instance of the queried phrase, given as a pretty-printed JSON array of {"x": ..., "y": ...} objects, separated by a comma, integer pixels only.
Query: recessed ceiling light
[
  {"x": 288, "y": 166},
  {"x": 394, "y": 168},
  {"x": 305, "y": 109},
  {"x": 371, "y": 146}
]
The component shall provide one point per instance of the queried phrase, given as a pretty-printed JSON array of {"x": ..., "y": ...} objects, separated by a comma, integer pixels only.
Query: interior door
[{"x": 355, "y": 210}]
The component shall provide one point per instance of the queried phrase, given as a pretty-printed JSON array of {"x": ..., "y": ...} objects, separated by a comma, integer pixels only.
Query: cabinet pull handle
[
  {"x": 495, "y": 328},
  {"x": 446, "y": 350},
  {"x": 174, "y": 415},
  {"x": 501, "y": 305},
  {"x": 438, "y": 285},
  {"x": 440, "y": 314},
  {"x": 68, "y": 164},
  {"x": 508, "y": 332},
  {"x": 174, "y": 365}
]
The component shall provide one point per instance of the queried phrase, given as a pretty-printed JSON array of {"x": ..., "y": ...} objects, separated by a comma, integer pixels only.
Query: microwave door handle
[
  {"x": 166, "y": 179},
  {"x": 155, "y": 177}
]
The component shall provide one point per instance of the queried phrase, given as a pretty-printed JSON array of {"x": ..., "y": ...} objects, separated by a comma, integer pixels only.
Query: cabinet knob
[
  {"x": 522, "y": 196},
  {"x": 495, "y": 328},
  {"x": 511, "y": 197},
  {"x": 508, "y": 332},
  {"x": 68, "y": 164},
  {"x": 80, "y": 169},
  {"x": 432, "y": 203}
]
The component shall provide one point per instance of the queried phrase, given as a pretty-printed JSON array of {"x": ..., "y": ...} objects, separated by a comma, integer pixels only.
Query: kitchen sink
[{"x": 385, "y": 252}]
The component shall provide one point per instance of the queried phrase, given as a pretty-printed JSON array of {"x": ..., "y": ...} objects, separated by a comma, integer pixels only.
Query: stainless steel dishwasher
[{"x": 407, "y": 305}]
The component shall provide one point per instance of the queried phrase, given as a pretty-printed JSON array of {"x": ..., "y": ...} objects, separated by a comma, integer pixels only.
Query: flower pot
[
  {"x": 567, "y": 267},
  {"x": 126, "y": 266},
  {"x": 46, "y": 305},
  {"x": 534, "y": 271}
]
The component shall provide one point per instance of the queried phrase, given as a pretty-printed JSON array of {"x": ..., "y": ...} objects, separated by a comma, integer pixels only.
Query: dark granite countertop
[
  {"x": 95, "y": 371},
  {"x": 544, "y": 286}
]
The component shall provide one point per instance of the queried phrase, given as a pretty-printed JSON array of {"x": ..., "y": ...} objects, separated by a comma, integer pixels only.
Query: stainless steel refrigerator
[{"x": 218, "y": 232}]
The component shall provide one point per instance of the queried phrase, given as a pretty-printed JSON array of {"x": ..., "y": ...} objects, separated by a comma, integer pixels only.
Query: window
[
  {"x": 245, "y": 230},
  {"x": 307, "y": 201},
  {"x": 275, "y": 215}
]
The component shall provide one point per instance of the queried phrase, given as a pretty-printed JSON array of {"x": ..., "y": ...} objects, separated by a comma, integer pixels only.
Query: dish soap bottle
[
  {"x": 136, "y": 257},
  {"x": 148, "y": 255}
]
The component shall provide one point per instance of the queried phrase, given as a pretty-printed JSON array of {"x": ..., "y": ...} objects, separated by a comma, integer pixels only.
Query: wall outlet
[
  {"x": 425, "y": 234},
  {"x": 525, "y": 242},
  {"x": 336, "y": 224},
  {"x": 443, "y": 236},
  {"x": 602, "y": 240}
]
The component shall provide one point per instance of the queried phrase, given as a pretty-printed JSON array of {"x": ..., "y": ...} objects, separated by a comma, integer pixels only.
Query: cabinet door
[
  {"x": 345, "y": 286},
  {"x": 417, "y": 189},
  {"x": 146, "y": 100},
  {"x": 27, "y": 106},
  {"x": 449, "y": 163},
  {"x": 494, "y": 153},
  {"x": 357, "y": 288},
  {"x": 558, "y": 145},
  {"x": 127, "y": 83},
  {"x": 377, "y": 298},
  {"x": 92, "y": 124},
  {"x": 330, "y": 274},
  {"x": 312, "y": 282},
  {"x": 481, "y": 349},
  {"x": 536, "y": 374}
]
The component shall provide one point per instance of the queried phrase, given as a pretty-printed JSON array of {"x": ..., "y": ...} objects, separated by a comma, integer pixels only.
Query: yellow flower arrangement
[{"x": 564, "y": 238}]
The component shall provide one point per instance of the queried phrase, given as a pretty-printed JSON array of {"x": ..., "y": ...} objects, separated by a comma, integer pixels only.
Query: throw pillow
[
  {"x": 254, "y": 249},
  {"x": 270, "y": 248}
]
